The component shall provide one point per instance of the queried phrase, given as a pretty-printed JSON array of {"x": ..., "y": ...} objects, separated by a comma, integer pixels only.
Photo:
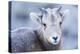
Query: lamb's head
[{"x": 50, "y": 21}]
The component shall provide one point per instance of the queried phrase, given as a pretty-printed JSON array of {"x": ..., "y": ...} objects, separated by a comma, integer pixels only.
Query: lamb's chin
[{"x": 55, "y": 43}]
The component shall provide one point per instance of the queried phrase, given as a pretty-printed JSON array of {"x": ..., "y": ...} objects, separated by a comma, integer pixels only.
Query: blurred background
[{"x": 20, "y": 18}]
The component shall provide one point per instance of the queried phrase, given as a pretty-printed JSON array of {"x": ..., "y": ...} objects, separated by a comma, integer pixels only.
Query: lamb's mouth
[
  {"x": 56, "y": 42},
  {"x": 53, "y": 43}
]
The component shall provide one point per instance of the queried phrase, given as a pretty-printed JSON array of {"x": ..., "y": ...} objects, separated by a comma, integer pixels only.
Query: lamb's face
[{"x": 50, "y": 21}]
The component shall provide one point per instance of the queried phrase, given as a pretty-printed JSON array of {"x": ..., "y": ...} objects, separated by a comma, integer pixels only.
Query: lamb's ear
[
  {"x": 65, "y": 12},
  {"x": 35, "y": 17}
]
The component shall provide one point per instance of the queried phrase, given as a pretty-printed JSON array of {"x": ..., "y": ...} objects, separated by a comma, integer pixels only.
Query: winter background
[{"x": 20, "y": 18}]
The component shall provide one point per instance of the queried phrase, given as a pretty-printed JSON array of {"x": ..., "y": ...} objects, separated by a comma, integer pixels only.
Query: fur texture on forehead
[{"x": 51, "y": 16}]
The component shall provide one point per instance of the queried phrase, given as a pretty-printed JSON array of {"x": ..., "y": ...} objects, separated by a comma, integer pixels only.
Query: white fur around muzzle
[{"x": 52, "y": 41}]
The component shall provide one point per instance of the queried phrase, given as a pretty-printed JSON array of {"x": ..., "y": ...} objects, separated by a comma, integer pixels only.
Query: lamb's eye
[
  {"x": 60, "y": 23},
  {"x": 44, "y": 24}
]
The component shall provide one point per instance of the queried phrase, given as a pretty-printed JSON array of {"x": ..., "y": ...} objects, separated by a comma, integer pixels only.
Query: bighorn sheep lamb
[{"x": 46, "y": 37}]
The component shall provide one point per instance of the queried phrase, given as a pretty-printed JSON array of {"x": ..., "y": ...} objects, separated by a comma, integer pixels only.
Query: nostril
[{"x": 55, "y": 38}]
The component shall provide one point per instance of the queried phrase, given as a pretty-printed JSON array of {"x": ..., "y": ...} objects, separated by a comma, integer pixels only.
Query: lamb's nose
[{"x": 55, "y": 38}]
